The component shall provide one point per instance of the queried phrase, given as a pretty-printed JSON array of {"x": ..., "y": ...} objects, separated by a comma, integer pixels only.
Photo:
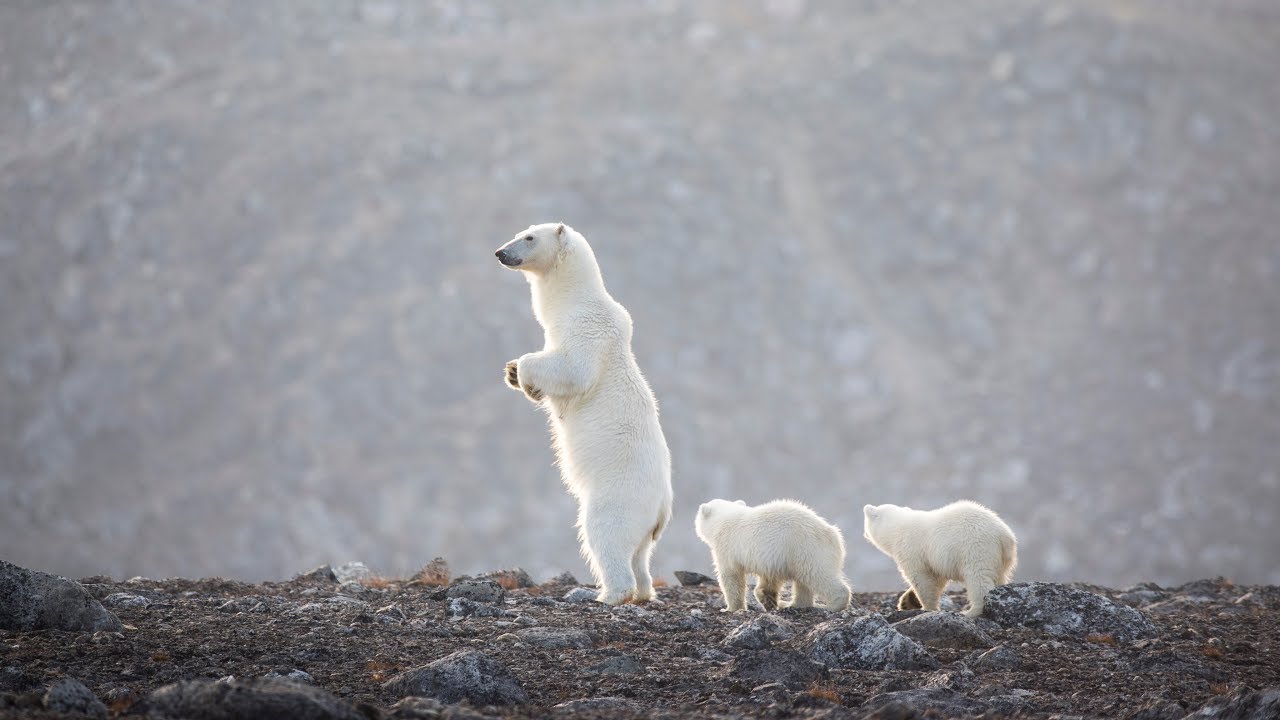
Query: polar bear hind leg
[
  {"x": 801, "y": 595},
  {"x": 609, "y": 551},
  {"x": 978, "y": 581},
  {"x": 927, "y": 588},
  {"x": 640, "y": 568},
  {"x": 836, "y": 592},
  {"x": 767, "y": 592}
]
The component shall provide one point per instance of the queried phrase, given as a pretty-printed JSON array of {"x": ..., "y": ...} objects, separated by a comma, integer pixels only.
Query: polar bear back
[
  {"x": 947, "y": 540},
  {"x": 782, "y": 539}
]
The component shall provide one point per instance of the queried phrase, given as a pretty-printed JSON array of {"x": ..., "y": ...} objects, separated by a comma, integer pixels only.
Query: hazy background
[{"x": 1022, "y": 252}]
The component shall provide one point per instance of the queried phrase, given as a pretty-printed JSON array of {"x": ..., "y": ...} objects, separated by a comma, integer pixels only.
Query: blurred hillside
[{"x": 1024, "y": 252}]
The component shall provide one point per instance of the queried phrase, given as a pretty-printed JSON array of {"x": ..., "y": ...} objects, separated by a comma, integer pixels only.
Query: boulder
[
  {"x": 865, "y": 643},
  {"x": 464, "y": 675},
  {"x": 688, "y": 578},
  {"x": 1066, "y": 611},
  {"x": 1242, "y": 705},
  {"x": 33, "y": 600},
  {"x": 997, "y": 659},
  {"x": 944, "y": 630},
  {"x": 760, "y": 632},
  {"x": 70, "y": 696},
  {"x": 776, "y": 666}
]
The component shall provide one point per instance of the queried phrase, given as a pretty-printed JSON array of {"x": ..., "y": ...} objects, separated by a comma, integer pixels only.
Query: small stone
[
  {"x": 125, "y": 600},
  {"x": 1244, "y": 704},
  {"x": 997, "y": 659},
  {"x": 619, "y": 665},
  {"x": 479, "y": 590},
  {"x": 463, "y": 607},
  {"x": 580, "y": 595},
  {"x": 564, "y": 578},
  {"x": 352, "y": 572},
  {"x": 944, "y": 702},
  {"x": 69, "y": 695},
  {"x": 324, "y": 573},
  {"x": 601, "y": 705},
  {"x": 511, "y": 579},
  {"x": 688, "y": 578},
  {"x": 556, "y": 638}
]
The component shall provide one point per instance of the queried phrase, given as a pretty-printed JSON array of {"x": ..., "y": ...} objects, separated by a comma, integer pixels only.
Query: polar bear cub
[
  {"x": 604, "y": 419},
  {"x": 962, "y": 541},
  {"x": 778, "y": 541}
]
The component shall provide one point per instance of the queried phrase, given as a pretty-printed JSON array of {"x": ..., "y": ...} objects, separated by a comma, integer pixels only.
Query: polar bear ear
[
  {"x": 560, "y": 230},
  {"x": 740, "y": 502}
]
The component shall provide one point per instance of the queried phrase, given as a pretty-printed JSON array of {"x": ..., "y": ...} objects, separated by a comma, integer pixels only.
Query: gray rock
[
  {"x": 688, "y": 578},
  {"x": 944, "y": 630},
  {"x": 69, "y": 695},
  {"x": 997, "y": 659},
  {"x": 781, "y": 666},
  {"x": 1243, "y": 705},
  {"x": 511, "y": 578},
  {"x": 599, "y": 705},
  {"x": 556, "y": 638},
  {"x": 33, "y": 600},
  {"x": 324, "y": 573},
  {"x": 580, "y": 595},
  {"x": 1066, "y": 611},
  {"x": 295, "y": 675},
  {"x": 564, "y": 578},
  {"x": 253, "y": 699},
  {"x": 959, "y": 678},
  {"x": 464, "y": 675},
  {"x": 478, "y": 590},
  {"x": 417, "y": 708},
  {"x": 618, "y": 665},
  {"x": 464, "y": 607},
  {"x": 944, "y": 702},
  {"x": 125, "y": 600},
  {"x": 759, "y": 633},
  {"x": 865, "y": 643},
  {"x": 351, "y": 572},
  {"x": 14, "y": 679}
]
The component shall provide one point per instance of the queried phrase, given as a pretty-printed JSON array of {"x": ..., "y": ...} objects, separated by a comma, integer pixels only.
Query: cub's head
[
  {"x": 539, "y": 248},
  {"x": 711, "y": 512},
  {"x": 876, "y": 520}
]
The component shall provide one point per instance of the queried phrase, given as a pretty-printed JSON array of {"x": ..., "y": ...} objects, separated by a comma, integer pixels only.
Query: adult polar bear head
[{"x": 546, "y": 249}]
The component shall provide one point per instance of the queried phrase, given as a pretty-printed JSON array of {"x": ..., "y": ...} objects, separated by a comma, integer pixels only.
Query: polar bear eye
[{"x": 528, "y": 238}]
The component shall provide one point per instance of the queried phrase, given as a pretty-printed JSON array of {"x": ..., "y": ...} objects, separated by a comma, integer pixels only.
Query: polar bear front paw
[{"x": 513, "y": 375}]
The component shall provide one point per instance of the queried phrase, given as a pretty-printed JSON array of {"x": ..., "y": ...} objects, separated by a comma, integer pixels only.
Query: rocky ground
[{"x": 343, "y": 643}]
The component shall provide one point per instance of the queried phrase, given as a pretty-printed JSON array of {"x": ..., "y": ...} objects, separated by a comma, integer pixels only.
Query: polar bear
[
  {"x": 962, "y": 541},
  {"x": 603, "y": 415},
  {"x": 778, "y": 541}
]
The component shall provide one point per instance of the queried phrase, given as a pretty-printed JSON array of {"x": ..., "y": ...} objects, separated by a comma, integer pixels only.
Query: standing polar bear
[
  {"x": 778, "y": 541},
  {"x": 961, "y": 541},
  {"x": 604, "y": 418}
]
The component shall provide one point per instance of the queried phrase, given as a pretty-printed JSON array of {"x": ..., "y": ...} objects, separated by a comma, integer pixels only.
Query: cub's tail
[{"x": 1008, "y": 557}]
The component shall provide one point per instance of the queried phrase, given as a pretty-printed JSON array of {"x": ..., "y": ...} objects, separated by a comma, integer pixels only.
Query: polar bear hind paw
[
  {"x": 613, "y": 598},
  {"x": 534, "y": 393},
  {"x": 909, "y": 601}
]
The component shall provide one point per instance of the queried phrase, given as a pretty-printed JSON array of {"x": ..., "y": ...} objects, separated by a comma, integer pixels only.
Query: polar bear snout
[{"x": 508, "y": 258}]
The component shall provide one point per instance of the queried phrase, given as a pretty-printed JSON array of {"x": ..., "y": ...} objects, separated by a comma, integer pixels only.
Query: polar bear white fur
[
  {"x": 963, "y": 541},
  {"x": 603, "y": 415},
  {"x": 778, "y": 541}
]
